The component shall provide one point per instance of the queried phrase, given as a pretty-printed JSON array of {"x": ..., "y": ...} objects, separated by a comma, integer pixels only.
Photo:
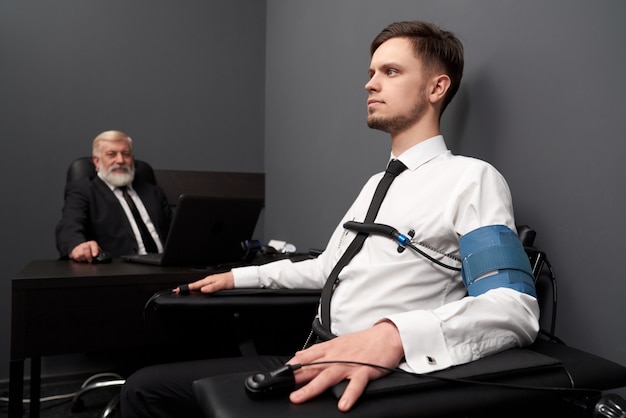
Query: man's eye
[{"x": 391, "y": 71}]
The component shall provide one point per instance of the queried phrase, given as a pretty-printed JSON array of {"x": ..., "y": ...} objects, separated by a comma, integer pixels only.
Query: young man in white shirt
[{"x": 391, "y": 308}]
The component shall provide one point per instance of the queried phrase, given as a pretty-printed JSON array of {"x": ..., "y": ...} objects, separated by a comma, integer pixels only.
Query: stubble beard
[{"x": 400, "y": 122}]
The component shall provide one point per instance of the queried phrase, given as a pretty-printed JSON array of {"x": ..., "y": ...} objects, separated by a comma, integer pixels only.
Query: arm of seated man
[
  {"x": 85, "y": 252},
  {"x": 380, "y": 345}
]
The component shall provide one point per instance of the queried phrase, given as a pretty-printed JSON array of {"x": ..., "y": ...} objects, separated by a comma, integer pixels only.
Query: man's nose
[{"x": 371, "y": 85}]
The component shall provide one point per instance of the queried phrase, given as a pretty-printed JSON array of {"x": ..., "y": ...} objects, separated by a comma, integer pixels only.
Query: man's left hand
[{"x": 379, "y": 345}]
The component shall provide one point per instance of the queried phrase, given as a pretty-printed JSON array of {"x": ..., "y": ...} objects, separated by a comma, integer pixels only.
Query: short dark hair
[{"x": 439, "y": 50}]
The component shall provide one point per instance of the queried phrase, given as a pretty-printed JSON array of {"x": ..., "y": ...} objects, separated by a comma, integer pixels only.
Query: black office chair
[
  {"x": 546, "y": 363},
  {"x": 80, "y": 168}
]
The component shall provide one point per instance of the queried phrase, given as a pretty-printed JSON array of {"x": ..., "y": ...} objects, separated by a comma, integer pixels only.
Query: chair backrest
[
  {"x": 526, "y": 235},
  {"x": 537, "y": 258},
  {"x": 83, "y": 167},
  {"x": 539, "y": 262}
]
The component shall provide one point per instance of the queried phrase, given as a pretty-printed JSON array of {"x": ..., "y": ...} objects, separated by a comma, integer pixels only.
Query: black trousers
[{"x": 165, "y": 390}]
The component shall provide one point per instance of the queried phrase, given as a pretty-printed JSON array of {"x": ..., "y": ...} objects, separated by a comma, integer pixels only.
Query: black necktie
[
  {"x": 148, "y": 241},
  {"x": 395, "y": 167}
]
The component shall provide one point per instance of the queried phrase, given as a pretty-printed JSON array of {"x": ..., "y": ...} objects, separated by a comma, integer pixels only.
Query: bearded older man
[{"x": 98, "y": 213}]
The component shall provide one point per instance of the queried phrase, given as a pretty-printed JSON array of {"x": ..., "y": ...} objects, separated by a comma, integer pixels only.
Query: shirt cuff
[
  {"x": 425, "y": 351},
  {"x": 246, "y": 277}
]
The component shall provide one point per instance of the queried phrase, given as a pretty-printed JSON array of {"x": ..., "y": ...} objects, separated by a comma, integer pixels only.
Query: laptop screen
[{"x": 208, "y": 230}]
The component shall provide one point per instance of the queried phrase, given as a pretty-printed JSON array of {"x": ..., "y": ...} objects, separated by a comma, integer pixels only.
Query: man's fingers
[
  {"x": 213, "y": 283},
  {"x": 306, "y": 374},
  {"x": 213, "y": 286},
  {"x": 323, "y": 381},
  {"x": 354, "y": 390},
  {"x": 93, "y": 248},
  {"x": 85, "y": 251},
  {"x": 359, "y": 377},
  {"x": 202, "y": 284},
  {"x": 81, "y": 253},
  {"x": 209, "y": 288}
]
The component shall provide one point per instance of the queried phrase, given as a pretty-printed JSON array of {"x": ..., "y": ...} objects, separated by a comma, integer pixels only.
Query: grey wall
[{"x": 543, "y": 99}]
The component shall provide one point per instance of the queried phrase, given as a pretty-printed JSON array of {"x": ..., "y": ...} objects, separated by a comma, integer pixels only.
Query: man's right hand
[
  {"x": 213, "y": 283},
  {"x": 85, "y": 252}
]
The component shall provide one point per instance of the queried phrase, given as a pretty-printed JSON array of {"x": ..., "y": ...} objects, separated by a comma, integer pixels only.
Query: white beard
[{"x": 118, "y": 179}]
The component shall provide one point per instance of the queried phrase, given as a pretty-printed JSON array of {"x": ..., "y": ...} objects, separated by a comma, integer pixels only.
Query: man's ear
[
  {"x": 96, "y": 161},
  {"x": 438, "y": 88}
]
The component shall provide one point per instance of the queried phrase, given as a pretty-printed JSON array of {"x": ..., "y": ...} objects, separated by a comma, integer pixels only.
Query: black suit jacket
[{"x": 92, "y": 212}]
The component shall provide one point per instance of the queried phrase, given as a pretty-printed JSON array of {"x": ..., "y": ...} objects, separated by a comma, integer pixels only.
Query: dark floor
[{"x": 93, "y": 402}]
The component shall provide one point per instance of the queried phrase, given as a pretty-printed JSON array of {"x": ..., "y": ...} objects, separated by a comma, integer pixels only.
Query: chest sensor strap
[{"x": 492, "y": 257}]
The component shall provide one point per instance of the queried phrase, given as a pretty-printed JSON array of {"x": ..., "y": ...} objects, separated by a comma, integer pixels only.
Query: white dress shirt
[{"x": 441, "y": 197}]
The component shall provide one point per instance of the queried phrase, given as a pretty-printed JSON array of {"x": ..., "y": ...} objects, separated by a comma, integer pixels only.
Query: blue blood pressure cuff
[{"x": 493, "y": 256}]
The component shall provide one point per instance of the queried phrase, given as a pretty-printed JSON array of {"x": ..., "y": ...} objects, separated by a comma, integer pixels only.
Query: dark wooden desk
[{"x": 63, "y": 307}]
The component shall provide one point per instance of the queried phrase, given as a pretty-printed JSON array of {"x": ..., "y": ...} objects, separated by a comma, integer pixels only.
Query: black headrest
[
  {"x": 526, "y": 235},
  {"x": 84, "y": 168}
]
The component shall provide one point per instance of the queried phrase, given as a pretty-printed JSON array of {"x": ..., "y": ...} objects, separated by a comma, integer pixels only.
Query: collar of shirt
[{"x": 423, "y": 152}]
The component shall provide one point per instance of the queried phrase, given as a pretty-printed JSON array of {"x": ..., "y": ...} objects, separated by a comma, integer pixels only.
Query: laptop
[{"x": 206, "y": 231}]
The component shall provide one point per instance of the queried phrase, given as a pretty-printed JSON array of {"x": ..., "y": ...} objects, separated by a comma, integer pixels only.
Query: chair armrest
[
  {"x": 224, "y": 396},
  {"x": 257, "y": 321},
  {"x": 586, "y": 370},
  {"x": 235, "y": 298}
]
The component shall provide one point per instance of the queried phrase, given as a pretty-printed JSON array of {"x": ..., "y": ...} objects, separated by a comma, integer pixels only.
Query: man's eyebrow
[
  {"x": 386, "y": 66},
  {"x": 392, "y": 64}
]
